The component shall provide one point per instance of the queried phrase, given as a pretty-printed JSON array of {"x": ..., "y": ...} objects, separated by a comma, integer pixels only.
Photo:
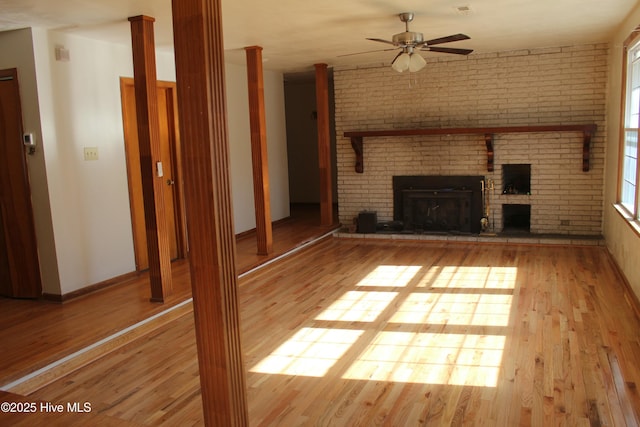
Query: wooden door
[
  {"x": 19, "y": 267},
  {"x": 170, "y": 152}
]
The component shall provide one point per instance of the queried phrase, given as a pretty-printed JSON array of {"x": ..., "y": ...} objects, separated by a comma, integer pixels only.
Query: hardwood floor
[
  {"x": 366, "y": 332},
  {"x": 35, "y": 334}
]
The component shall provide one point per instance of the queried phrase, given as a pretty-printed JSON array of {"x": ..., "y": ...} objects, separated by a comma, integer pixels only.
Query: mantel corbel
[
  {"x": 488, "y": 141},
  {"x": 356, "y": 144},
  {"x": 586, "y": 147}
]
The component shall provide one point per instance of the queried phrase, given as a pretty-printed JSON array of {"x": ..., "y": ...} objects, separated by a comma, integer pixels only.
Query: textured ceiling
[{"x": 296, "y": 34}]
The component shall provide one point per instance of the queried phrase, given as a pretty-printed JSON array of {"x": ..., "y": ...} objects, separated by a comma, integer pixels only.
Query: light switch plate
[{"x": 91, "y": 153}]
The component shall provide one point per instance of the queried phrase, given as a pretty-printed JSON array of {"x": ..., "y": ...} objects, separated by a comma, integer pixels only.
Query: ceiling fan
[{"x": 409, "y": 41}]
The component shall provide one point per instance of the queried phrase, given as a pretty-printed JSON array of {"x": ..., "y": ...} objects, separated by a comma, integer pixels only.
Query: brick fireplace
[{"x": 561, "y": 86}]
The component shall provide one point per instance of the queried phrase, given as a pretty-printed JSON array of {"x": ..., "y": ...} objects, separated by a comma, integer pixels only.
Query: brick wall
[{"x": 565, "y": 85}]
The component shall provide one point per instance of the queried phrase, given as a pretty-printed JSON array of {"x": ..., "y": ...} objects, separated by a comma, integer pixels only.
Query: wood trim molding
[
  {"x": 587, "y": 130},
  {"x": 628, "y": 218},
  {"x": 357, "y": 144},
  {"x": 259, "y": 161},
  {"x": 630, "y": 296},
  {"x": 199, "y": 53},
  {"x": 324, "y": 145},
  {"x": 630, "y": 41},
  {"x": 488, "y": 141},
  {"x": 117, "y": 280},
  {"x": 144, "y": 71}
]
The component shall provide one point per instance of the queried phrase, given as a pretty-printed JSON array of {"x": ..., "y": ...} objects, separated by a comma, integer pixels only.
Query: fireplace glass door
[{"x": 437, "y": 211}]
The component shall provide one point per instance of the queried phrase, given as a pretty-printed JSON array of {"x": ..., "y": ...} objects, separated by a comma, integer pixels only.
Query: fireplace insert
[
  {"x": 437, "y": 210},
  {"x": 437, "y": 203}
]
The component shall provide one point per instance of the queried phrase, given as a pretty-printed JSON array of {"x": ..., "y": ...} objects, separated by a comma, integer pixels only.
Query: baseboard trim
[
  {"x": 92, "y": 288},
  {"x": 629, "y": 295},
  {"x": 249, "y": 233}
]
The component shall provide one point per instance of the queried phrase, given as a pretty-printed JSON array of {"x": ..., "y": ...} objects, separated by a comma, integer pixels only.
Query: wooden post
[
  {"x": 197, "y": 28},
  {"x": 257, "y": 123},
  {"x": 324, "y": 145},
  {"x": 144, "y": 72}
]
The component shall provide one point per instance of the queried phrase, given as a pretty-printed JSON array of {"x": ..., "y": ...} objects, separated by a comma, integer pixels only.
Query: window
[{"x": 629, "y": 176}]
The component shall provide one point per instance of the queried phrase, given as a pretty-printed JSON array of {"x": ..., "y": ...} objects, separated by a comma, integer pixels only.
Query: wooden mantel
[{"x": 488, "y": 132}]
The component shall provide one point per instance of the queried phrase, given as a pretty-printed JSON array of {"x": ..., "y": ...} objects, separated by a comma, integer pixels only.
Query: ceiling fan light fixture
[
  {"x": 410, "y": 41},
  {"x": 401, "y": 63},
  {"x": 416, "y": 63}
]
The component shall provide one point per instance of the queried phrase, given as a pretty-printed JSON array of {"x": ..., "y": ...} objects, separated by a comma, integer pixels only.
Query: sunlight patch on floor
[
  {"x": 455, "y": 309},
  {"x": 390, "y": 276},
  {"x": 474, "y": 277},
  {"x": 357, "y": 306},
  {"x": 467, "y": 299},
  {"x": 310, "y": 352},
  {"x": 453, "y": 359}
]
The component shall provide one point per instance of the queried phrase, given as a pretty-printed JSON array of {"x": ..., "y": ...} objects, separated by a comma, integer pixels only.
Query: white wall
[
  {"x": 622, "y": 241},
  {"x": 75, "y": 104},
  {"x": 240, "y": 146},
  {"x": 276, "y": 144},
  {"x": 80, "y": 107}
]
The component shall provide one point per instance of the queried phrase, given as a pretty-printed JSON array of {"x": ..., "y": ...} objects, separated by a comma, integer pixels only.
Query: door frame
[
  {"x": 16, "y": 217},
  {"x": 137, "y": 206}
]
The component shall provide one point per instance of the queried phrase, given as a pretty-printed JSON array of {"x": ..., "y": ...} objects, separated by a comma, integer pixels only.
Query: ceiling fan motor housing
[
  {"x": 408, "y": 38},
  {"x": 409, "y": 41}
]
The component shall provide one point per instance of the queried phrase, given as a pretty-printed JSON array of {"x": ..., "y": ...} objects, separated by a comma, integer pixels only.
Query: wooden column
[
  {"x": 144, "y": 72},
  {"x": 324, "y": 145},
  {"x": 197, "y": 28},
  {"x": 257, "y": 123}
]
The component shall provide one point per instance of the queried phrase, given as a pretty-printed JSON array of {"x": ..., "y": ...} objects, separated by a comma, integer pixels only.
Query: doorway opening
[
  {"x": 302, "y": 142},
  {"x": 172, "y": 173}
]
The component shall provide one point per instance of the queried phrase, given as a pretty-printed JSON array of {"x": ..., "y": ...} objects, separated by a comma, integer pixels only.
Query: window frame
[{"x": 632, "y": 216}]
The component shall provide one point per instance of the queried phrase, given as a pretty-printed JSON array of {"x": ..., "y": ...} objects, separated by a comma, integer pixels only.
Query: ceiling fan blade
[
  {"x": 448, "y": 39},
  {"x": 380, "y": 40},
  {"x": 367, "y": 51},
  {"x": 448, "y": 50}
]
